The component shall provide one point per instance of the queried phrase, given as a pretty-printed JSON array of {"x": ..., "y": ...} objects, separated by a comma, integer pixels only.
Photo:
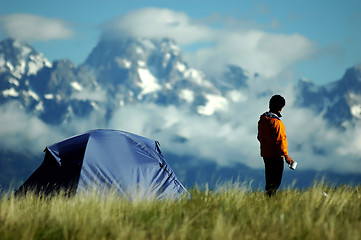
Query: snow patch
[
  {"x": 356, "y": 111},
  {"x": 148, "y": 82},
  {"x": 166, "y": 59},
  {"x": 49, "y": 96},
  {"x": 168, "y": 86},
  {"x": 14, "y": 81},
  {"x": 47, "y": 63},
  {"x": 197, "y": 77},
  {"x": 170, "y": 46},
  {"x": 40, "y": 107},
  {"x": 21, "y": 68},
  {"x": 33, "y": 68},
  {"x": 10, "y": 93},
  {"x": 139, "y": 50},
  {"x": 175, "y": 48},
  {"x": 180, "y": 66},
  {"x": 2, "y": 61},
  {"x": 76, "y": 86},
  {"x": 17, "y": 44},
  {"x": 37, "y": 62},
  {"x": 25, "y": 51},
  {"x": 10, "y": 66},
  {"x": 214, "y": 103},
  {"x": 187, "y": 95},
  {"x": 193, "y": 74},
  {"x": 58, "y": 97},
  {"x": 354, "y": 97},
  {"x": 94, "y": 105},
  {"x": 33, "y": 95},
  {"x": 141, "y": 63},
  {"x": 123, "y": 62}
]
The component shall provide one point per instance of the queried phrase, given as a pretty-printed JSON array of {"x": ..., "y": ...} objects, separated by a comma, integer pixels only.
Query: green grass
[{"x": 229, "y": 213}]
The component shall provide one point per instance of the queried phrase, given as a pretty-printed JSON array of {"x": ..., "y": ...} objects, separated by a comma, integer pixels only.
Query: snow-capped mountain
[
  {"x": 145, "y": 70},
  {"x": 51, "y": 91},
  {"x": 137, "y": 70},
  {"x": 65, "y": 91},
  {"x": 18, "y": 61},
  {"x": 116, "y": 73},
  {"x": 339, "y": 101}
]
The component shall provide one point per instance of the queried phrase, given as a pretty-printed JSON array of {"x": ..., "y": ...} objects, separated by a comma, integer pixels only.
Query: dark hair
[{"x": 276, "y": 103}]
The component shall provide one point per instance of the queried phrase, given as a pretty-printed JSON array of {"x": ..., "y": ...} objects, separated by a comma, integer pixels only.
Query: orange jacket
[{"x": 272, "y": 136}]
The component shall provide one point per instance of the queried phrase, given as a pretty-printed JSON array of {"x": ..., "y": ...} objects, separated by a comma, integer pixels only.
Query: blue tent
[{"x": 104, "y": 160}]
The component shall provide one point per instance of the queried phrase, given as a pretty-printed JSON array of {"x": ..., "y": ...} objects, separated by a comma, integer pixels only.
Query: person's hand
[{"x": 288, "y": 159}]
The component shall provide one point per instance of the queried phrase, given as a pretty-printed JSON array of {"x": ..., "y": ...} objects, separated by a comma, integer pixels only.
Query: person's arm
[
  {"x": 288, "y": 159},
  {"x": 281, "y": 142}
]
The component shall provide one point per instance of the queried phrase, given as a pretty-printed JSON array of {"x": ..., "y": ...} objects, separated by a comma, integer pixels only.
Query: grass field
[{"x": 320, "y": 212}]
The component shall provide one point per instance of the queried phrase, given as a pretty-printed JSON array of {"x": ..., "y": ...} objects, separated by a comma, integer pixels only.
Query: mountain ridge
[
  {"x": 136, "y": 70},
  {"x": 339, "y": 101},
  {"x": 129, "y": 71}
]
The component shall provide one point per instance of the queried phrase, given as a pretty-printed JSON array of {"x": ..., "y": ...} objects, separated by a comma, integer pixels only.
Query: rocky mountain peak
[
  {"x": 19, "y": 58},
  {"x": 127, "y": 52},
  {"x": 352, "y": 79},
  {"x": 339, "y": 101}
]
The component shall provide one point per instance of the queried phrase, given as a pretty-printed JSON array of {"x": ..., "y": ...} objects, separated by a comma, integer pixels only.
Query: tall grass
[{"x": 320, "y": 212}]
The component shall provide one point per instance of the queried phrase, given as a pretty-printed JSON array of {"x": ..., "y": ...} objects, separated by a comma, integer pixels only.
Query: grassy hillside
[{"x": 320, "y": 212}]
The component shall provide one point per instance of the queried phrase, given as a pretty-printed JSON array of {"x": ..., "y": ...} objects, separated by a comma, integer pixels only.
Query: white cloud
[
  {"x": 227, "y": 139},
  {"x": 157, "y": 23},
  {"x": 32, "y": 27},
  {"x": 92, "y": 95},
  {"x": 23, "y": 132},
  {"x": 255, "y": 50},
  {"x": 315, "y": 146},
  {"x": 232, "y": 137},
  {"x": 206, "y": 137}
]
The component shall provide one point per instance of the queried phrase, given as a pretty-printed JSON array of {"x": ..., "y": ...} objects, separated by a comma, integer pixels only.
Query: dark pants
[{"x": 273, "y": 172}]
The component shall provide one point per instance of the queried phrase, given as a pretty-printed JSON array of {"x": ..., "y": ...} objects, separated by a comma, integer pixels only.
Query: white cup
[{"x": 293, "y": 165}]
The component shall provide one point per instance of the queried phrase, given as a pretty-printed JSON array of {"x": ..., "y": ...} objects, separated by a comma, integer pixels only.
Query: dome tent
[{"x": 105, "y": 159}]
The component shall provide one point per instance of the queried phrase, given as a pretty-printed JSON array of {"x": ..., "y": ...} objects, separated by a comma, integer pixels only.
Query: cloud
[
  {"x": 21, "y": 131},
  {"x": 18, "y": 136},
  {"x": 157, "y": 23},
  {"x": 254, "y": 50},
  {"x": 32, "y": 27},
  {"x": 231, "y": 138},
  {"x": 234, "y": 43},
  {"x": 187, "y": 134},
  {"x": 225, "y": 139},
  {"x": 92, "y": 95}
]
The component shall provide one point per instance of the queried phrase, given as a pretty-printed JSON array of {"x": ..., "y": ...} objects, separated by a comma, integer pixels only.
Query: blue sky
[{"x": 316, "y": 39}]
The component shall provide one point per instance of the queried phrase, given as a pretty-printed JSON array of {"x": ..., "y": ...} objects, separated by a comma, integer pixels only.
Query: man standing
[{"x": 273, "y": 140}]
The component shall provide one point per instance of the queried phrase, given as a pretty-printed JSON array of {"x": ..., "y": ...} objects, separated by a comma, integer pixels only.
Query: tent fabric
[{"x": 105, "y": 159}]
